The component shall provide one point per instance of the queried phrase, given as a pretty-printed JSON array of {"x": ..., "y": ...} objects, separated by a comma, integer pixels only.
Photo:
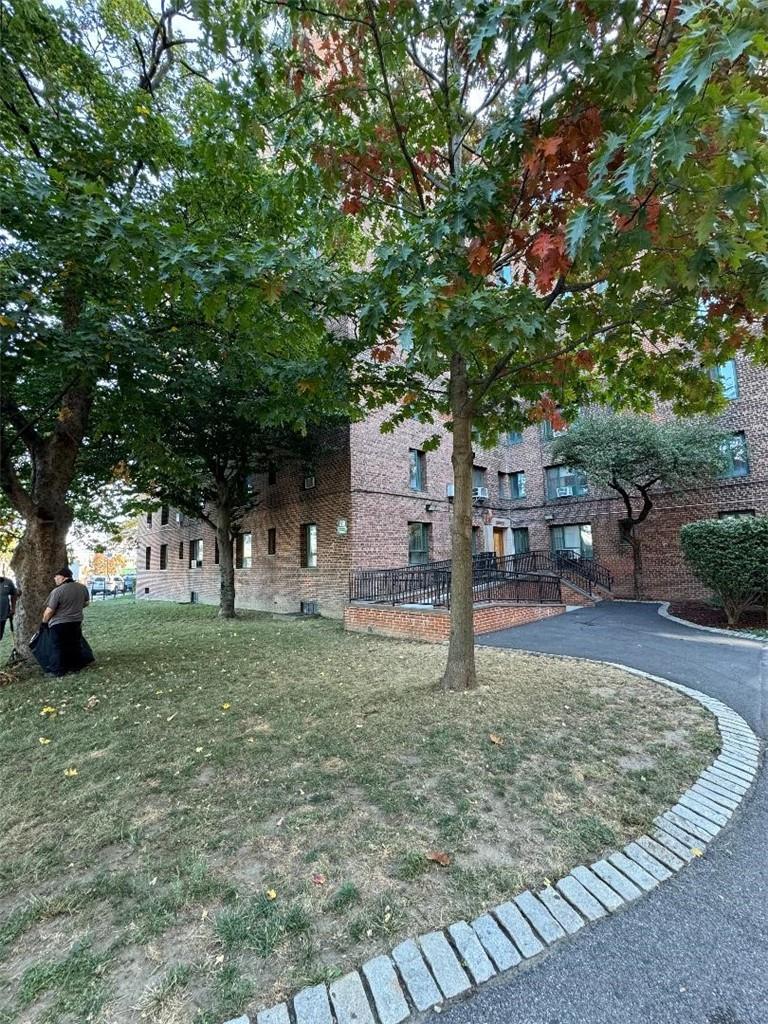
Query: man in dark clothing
[
  {"x": 64, "y": 617},
  {"x": 9, "y": 594}
]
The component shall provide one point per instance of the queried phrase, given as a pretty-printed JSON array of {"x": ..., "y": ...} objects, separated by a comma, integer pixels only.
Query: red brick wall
[
  {"x": 363, "y": 476},
  {"x": 274, "y": 582},
  {"x": 434, "y": 624},
  {"x": 382, "y": 504}
]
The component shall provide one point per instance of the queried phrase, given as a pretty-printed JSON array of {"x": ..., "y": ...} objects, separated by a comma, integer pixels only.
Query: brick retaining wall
[{"x": 434, "y": 624}]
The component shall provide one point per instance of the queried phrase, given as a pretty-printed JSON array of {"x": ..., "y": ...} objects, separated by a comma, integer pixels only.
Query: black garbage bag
[{"x": 42, "y": 646}]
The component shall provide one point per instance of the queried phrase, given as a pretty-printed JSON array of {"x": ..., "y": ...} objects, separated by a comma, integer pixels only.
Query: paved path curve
[{"x": 696, "y": 950}]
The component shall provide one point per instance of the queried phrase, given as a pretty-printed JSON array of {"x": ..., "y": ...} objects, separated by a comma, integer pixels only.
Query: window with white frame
[
  {"x": 417, "y": 470},
  {"x": 308, "y": 545},
  {"x": 564, "y": 482},
  {"x": 244, "y": 551},
  {"x": 725, "y": 375},
  {"x": 735, "y": 452},
  {"x": 196, "y": 553}
]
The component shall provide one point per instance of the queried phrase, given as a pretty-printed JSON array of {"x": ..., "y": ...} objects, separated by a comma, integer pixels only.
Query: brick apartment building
[{"x": 377, "y": 500}]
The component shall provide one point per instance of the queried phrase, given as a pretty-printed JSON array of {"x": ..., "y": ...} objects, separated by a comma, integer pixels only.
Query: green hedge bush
[{"x": 730, "y": 556}]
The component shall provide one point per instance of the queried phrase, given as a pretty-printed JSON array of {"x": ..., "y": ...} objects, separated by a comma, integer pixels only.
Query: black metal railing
[
  {"x": 579, "y": 570},
  {"x": 414, "y": 584},
  {"x": 533, "y": 589}
]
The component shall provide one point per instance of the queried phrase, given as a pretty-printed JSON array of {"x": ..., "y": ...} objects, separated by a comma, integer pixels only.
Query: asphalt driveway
[{"x": 696, "y": 950}]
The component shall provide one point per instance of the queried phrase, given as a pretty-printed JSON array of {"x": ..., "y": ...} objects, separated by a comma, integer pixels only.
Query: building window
[
  {"x": 164, "y": 511},
  {"x": 725, "y": 375},
  {"x": 196, "y": 554},
  {"x": 513, "y": 437},
  {"x": 309, "y": 545},
  {"x": 478, "y": 476},
  {"x": 181, "y": 549},
  {"x": 520, "y": 540},
  {"x": 147, "y": 558},
  {"x": 194, "y": 597},
  {"x": 216, "y": 555},
  {"x": 163, "y": 556},
  {"x": 574, "y": 540},
  {"x": 417, "y": 462},
  {"x": 564, "y": 482},
  {"x": 736, "y": 513},
  {"x": 512, "y": 485},
  {"x": 271, "y": 540},
  {"x": 271, "y": 474},
  {"x": 179, "y": 518},
  {"x": 149, "y": 518},
  {"x": 243, "y": 551},
  {"x": 418, "y": 543},
  {"x": 548, "y": 432},
  {"x": 517, "y": 485},
  {"x": 735, "y": 452}
]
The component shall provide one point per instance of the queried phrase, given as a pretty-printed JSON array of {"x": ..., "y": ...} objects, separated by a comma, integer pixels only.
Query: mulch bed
[{"x": 704, "y": 614}]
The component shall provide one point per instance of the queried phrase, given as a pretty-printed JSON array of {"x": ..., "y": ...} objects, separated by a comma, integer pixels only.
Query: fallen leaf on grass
[
  {"x": 319, "y": 879},
  {"x": 439, "y": 858},
  {"x": 271, "y": 894},
  {"x": 70, "y": 772},
  {"x": 92, "y": 703},
  {"x": 43, "y": 740},
  {"x": 225, "y": 707},
  {"x": 48, "y": 710},
  {"x": 497, "y": 740}
]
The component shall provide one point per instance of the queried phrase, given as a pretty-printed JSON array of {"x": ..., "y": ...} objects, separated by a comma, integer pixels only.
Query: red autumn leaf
[
  {"x": 351, "y": 205},
  {"x": 479, "y": 258},
  {"x": 438, "y": 857},
  {"x": 551, "y": 146},
  {"x": 318, "y": 879},
  {"x": 585, "y": 359},
  {"x": 382, "y": 353}
]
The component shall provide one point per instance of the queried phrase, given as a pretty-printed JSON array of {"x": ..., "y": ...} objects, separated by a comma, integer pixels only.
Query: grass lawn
[{"x": 221, "y": 812}]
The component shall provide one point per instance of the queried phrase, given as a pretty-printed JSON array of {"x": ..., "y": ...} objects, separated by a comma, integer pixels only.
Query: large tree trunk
[
  {"x": 226, "y": 566},
  {"x": 460, "y": 670},
  {"x": 47, "y": 516},
  {"x": 40, "y": 552}
]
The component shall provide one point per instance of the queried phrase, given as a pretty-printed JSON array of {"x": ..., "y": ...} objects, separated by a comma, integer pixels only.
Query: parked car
[
  {"x": 118, "y": 585},
  {"x": 129, "y": 582},
  {"x": 100, "y": 586}
]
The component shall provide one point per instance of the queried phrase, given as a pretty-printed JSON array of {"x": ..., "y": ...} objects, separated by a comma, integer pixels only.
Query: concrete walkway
[{"x": 695, "y": 951}]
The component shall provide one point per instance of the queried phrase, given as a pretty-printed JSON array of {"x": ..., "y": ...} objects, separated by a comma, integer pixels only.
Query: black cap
[{"x": 66, "y": 571}]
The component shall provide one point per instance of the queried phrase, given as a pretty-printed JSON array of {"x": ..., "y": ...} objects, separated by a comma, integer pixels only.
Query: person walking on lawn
[
  {"x": 9, "y": 594},
  {"x": 63, "y": 616}
]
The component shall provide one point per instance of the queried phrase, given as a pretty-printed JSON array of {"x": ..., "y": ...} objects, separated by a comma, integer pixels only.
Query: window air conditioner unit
[
  {"x": 479, "y": 493},
  {"x": 450, "y": 491},
  {"x": 564, "y": 492},
  {"x": 309, "y": 482}
]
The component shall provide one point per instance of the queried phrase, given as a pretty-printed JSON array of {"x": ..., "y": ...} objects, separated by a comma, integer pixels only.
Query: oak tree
[{"x": 564, "y": 204}]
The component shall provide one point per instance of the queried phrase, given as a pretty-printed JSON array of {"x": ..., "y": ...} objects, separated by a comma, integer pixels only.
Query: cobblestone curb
[
  {"x": 738, "y": 634},
  {"x": 441, "y": 965}
]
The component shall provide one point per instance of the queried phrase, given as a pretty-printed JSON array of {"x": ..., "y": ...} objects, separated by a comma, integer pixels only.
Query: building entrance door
[{"x": 498, "y": 541}]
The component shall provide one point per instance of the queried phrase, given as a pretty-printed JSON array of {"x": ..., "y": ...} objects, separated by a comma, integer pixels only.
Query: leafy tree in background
[
  {"x": 230, "y": 418},
  {"x": 634, "y": 456},
  {"x": 565, "y": 205}
]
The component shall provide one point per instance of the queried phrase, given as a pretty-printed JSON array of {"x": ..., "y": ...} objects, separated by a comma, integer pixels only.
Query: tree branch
[{"x": 391, "y": 104}]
